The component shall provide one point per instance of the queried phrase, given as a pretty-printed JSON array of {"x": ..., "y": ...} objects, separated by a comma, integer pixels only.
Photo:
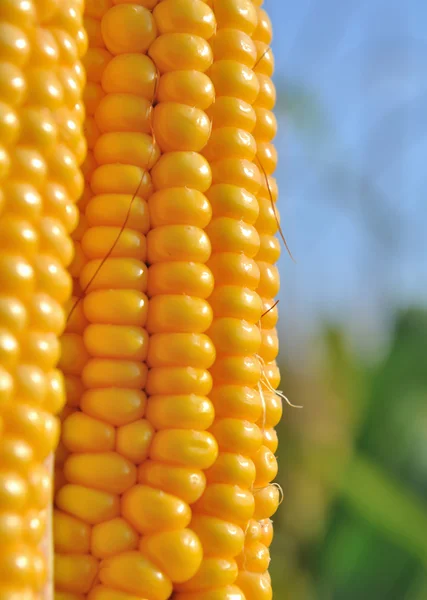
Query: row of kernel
[
  {"x": 255, "y": 557},
  {"x": 108, "y": 436},
  {"x": 223, "y": 512},
  {"x": 71, "y": 534},
  {"x": 178, "y": 315},
  {"x": 41, "y": 77}
]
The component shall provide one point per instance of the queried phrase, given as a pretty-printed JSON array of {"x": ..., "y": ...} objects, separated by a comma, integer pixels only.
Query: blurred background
[{"x": 352, "y": 97}]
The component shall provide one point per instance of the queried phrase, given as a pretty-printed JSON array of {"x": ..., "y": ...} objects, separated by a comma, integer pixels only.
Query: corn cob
[
  {"x": 71, "y": 533},
  {"x": 223, "y": 513},
  {"x": 41, "y": 81}
]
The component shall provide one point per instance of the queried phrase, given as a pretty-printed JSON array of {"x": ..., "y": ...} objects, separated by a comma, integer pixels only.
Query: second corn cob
[{"x": 40, "y": 99}]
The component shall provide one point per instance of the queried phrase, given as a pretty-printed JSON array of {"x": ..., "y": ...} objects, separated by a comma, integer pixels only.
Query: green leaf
[{"x": 398, "y": 513}]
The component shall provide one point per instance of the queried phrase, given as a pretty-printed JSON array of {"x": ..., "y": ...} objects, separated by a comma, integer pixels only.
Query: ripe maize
[
  {"x": 164, "y": 468},
  {"x": 41, "y": 86}
]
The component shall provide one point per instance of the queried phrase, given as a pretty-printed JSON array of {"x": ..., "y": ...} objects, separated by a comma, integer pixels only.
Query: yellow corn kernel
[
  {"x": 129, "y": 74},
  {"x": 237, "y": 370},
  {"x": 70, "y": 534},
  {"x": 229, "y": 592},
  {"x": 192, "y": 279},
  {"x": 255, "y": 586},
  {"x": 35, "y": 525},
  {"x": 181, "y": 314},
  {"x": 265, "y": 59},
  {"x": 97, "y": 242},
  {"x": 178, "y": 553},
  {"x": 113, "y": 209},
  {"x": 134, "y": 439},
  {"x": 82, "y": 433},
  {"x": 185, "y": 16},
  {"x": 178, "y": 127},
  {"x": 131, "y": 572},
  {"x": 181, "y": 52},
  {"x": 186, "y": 380},
  {"x": 116, "y": 341},
  {"x": 231, "y": 78},
  {"x": 105, "y": 373},
  {"x": 237, "y": 435},
  {"x": 179, "y": 206},
  {"x": 234, "y": 44},
  {"x": 116, "y": 273},
  {"x": 233, "y": 202},
  {"x": 177, "y": 243},
  {"x": 190, "y": 411},
  {"x": 237, "y": 171},
  {"x": 182, "y": 169},
  {"x": 101, "y": 592},
  {"x": 75, "y": 573},
  {"x": 253, "y": 532},
  {"x": 230, "y": 268},
  {"x": 37, "y": 427},
  {"x": 93, "y": 29},
  {"x": 266, "y": 532},
  {"x": 102, "y": 404},
  {"x": 184, "y": 447},
  {"x": 267, "y": 93},
  {"x": 255, "y": 558},
  {"x": 266, "y": 125},
  {"x": 269, "y": 280},
  {"x": 236, "y": 14},
  {"x": 123, "y": 112},
  {"x": 269, "y": 249},
  {"x": 230, "y": 142},
  {"x": 127, "y": 147},
  {"x": 95, "y": 62},
  {"x": 267, "y": 157},
  {"x": 186, "y": 483},
  {"x": 220, "y": 571},
  {"x": 229, "y": 111},
  {"x": 233, "y": 301},
  {"x": 112, "y": 537},
  {"x": 121, "y": 179},
  {"x": 150, "y": 510},
  {"x": 235, "y": 336},
  {"x": 128, "y": 28},
  {"x": 269, "y": 348},
  {"x": 16, "y": 454},
  {"x": 228, "y": 502},
  {"x": 107, "y": 471},
  {"x": 266, "y": 467},
  {"x": 218, "y": 537},
  {"x": 234, "y": 469},
  {"x": 91, "y": 506},
  {"x": 116, "y": 307},
  {"x": 180, "y": 349},
  {"x": 189, "y": 87},
  {"x": 270, "y": 439},
  {"x": 266, "y": 502}
]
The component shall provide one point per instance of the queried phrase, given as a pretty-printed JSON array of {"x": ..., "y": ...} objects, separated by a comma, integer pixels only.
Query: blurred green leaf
[{"x": 396, "y": 511}]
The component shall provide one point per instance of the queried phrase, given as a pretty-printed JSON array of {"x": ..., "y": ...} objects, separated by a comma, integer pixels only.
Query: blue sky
[{"x": 353, "y": 191}]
